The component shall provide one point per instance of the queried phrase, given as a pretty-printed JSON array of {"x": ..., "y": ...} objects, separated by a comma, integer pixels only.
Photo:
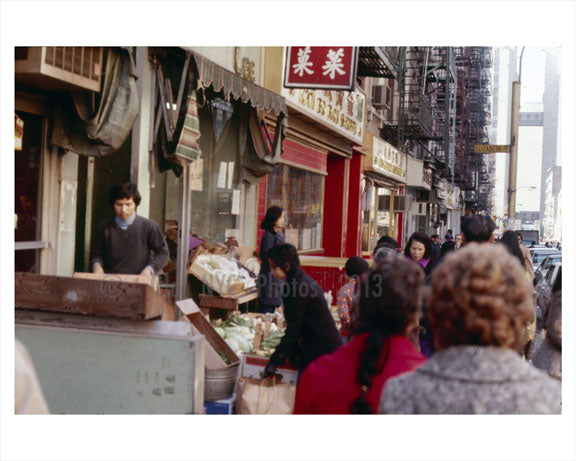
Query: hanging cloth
[
  {"x": 260, "y": 154},
  {"x": 176, "y": 143},
  {"x": 102, "y": 131}
]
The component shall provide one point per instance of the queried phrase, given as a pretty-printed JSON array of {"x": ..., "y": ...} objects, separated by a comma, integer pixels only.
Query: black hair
[
  {"x": 447, "y": 247},
  {"x": 356, "y": 266},
  {"x": 389, "y": 240},
  {"x": 449, "y": 236},
  {"x": 434, "y": 236},
  {"x": 381, "y": 250},
  {"x": 387, "y": 299},
  {"x": 285, "y": 257},
  {"x": 422, "y": 238},
  {"x": 272, "y": 215},
  {"x": 510, "y": 240},
  {"x": 477, "y": 228},
  {"x": 124, "y": 190}
]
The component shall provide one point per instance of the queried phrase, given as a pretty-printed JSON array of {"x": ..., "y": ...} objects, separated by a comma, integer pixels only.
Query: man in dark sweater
[{"x": 123, "y": 243}]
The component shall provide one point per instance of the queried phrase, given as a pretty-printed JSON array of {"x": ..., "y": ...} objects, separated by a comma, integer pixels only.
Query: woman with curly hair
[
  {"x": 479, "y": 305},
  {"x": 351, "y": 379}
]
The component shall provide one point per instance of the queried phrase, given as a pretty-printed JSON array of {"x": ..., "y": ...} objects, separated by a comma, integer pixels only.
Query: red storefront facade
[{"x": 324, "y": 150}]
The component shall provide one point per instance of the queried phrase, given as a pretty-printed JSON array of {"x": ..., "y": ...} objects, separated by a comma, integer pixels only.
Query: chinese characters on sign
[
  {"x": 342, "y": 111},
  {"x": 388, "y": 160},
  {"x": 321, "y": 67}
]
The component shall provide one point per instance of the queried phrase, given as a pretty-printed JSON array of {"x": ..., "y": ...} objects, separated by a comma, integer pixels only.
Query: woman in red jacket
[{"x": 351, "y": 379}]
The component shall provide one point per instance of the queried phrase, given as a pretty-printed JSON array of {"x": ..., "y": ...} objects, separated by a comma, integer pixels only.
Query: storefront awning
[
  {"x": 221, "y": 79},
  {"x": 381, "y": 181}
]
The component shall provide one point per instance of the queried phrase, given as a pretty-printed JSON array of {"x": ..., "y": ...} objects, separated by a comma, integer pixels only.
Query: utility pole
[{"x": 514, "y": 147}]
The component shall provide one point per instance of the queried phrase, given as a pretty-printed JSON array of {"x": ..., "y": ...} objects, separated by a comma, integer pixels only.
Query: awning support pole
[{"x": 183, "y": 238}]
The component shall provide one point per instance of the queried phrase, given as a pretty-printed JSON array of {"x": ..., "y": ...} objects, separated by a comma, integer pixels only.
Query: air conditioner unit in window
[
  {"x": 402, "y": 203},
  {"x": 381, "y": 96},
  {"x": 59, "y": 68},
  {"x": 419, "y": 208}
]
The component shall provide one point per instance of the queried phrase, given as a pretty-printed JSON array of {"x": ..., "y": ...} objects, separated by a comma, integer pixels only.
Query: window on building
[
  {"x": 301, "y": 194},
  {"x": 377, "y": 220}
]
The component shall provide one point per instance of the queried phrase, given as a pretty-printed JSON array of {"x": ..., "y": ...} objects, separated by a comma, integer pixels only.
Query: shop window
[
  {"x": 384, "y": 221},
  {"x": 301, "y": 194},
  {"x": 27, "y": 167},
  {"x": 377, "y": 221},
  {"x": 216, "y": 178}
]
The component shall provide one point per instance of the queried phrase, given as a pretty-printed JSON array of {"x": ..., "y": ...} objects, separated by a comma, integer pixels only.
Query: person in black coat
[
  {"x": 269, "y": 288},
  {"x": 310, "y": 328}
]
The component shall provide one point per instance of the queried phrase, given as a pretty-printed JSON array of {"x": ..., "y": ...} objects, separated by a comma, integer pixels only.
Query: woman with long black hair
[
  {"x": 310, "y": 327},
  {"x": 268, "y": 287},
  {"x": 351, "y": 379}
]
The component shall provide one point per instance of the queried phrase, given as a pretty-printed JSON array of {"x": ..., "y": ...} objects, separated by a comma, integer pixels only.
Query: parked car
[
  {"x": 543, "y": 291},
  {"x": 539, "y": 254},
  {"x": 544, "y": 265}
]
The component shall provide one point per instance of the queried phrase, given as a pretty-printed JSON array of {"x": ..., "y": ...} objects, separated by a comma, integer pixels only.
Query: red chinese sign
[{"x": 321, "y": 67}]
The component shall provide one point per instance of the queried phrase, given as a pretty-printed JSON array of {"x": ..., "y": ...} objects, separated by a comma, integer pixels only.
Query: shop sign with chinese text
[
  {"x": 342, "y": 111},
  {"x": 321, "y": 67},
  {"x": 388, "y": 160}
]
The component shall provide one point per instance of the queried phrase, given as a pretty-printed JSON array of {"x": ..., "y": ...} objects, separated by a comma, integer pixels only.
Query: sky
[{"x": 529, "y": 138}]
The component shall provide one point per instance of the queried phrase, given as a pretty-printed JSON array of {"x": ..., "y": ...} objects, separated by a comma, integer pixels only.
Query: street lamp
[{"x": 515, "y": 113}]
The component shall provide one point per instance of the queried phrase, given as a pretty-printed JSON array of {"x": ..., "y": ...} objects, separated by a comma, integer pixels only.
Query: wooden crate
[
  {"x": 222, "y": 287},
  {"x": 150, "y": 280},
  {"x": 101, "y": 298},
  {"x": 215, "y": 342}
]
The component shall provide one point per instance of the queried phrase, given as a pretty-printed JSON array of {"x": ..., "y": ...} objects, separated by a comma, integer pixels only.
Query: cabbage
[
  {"x": 221, "y": 331},
  {"x": 233, "y": 343},
  {"x": 243, "y": 344}
]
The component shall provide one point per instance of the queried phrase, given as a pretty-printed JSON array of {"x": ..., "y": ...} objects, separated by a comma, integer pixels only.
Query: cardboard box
[
  {"x": 214, "y": 342},
  {"x": 220, "y": 407},
  {"x": 253, "y": 367}
]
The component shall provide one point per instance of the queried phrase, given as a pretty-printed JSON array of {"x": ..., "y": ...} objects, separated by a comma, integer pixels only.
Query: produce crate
[
  {"x": 150, "y": 280},
  {"x": 214, "y": 341},
  {"x": 100, "y": 297},
  {"x": 221, "y": 286}
]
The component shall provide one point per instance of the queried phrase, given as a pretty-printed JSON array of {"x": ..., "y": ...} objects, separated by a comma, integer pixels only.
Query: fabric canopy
[
  {"x": 100, "y": 131},
  {"x": 211, "y": 74},
  {"x": 260, "y": 154}
]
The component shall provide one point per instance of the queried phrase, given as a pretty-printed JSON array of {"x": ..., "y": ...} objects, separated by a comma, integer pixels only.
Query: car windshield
[{"x": 537, "y": 258}]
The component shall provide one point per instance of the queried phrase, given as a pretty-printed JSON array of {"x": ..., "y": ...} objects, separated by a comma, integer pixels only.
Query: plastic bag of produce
[{"x": 265, "y": 397}]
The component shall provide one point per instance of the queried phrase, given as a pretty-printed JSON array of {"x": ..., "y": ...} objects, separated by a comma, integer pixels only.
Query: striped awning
[
  {"x": 188, "y": 148},
  {"x": 221, "y": 79}
]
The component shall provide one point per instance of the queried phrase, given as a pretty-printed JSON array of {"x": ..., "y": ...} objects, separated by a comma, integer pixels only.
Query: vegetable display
[
  {"x": 251, "y": 333},
  {"x": 225, "y": 270}
]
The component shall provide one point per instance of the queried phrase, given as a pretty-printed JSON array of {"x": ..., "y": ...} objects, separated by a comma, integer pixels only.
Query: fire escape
[{"x": 472, "y": 171}]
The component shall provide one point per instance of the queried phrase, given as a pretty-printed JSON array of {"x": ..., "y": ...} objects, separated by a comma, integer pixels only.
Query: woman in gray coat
[{"x": 479, "y": 305}]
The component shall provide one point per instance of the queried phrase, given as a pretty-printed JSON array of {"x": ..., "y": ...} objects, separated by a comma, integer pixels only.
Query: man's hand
[
  {"x": 97, "y": 269},
  {"x": 147, "y": 271}
]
